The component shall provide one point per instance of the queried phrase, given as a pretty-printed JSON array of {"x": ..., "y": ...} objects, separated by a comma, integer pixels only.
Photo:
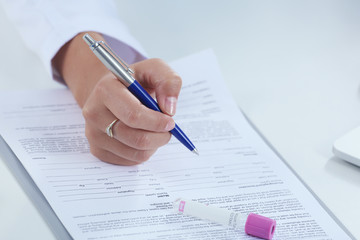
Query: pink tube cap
[{"x": 259, "y": 226}]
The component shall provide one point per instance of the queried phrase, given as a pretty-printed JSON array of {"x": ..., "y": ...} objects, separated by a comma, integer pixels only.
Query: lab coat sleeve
[{"x": 46, "y": 26}]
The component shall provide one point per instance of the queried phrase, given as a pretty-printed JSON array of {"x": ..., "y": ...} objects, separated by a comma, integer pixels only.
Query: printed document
[{"x": 94, "y": 200}]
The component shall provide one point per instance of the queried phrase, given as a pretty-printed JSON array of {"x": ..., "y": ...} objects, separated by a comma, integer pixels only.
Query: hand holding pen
[{"x": 140, "y": 130}]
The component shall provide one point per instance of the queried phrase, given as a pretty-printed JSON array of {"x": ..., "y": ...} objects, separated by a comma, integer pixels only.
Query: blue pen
[{"x": 121, "y": 70}]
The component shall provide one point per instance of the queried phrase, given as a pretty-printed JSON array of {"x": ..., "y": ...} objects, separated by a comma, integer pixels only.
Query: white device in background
[{"x": 348, "y": 147}]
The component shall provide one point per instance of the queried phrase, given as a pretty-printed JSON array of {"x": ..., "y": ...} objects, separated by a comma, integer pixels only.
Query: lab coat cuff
[{"x": 113, "y": 31}]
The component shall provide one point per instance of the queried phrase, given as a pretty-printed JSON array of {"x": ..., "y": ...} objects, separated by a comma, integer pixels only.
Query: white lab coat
[{"x": 46, "y": 25}]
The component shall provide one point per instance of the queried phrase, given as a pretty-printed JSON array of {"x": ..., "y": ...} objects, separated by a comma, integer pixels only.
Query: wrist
[{"x": 79, "y": 67}]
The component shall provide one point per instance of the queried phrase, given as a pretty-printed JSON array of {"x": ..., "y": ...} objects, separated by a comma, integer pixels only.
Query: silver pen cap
[
  {"x": 88, "y": 39},
  {"x": 114, "y": 63}
]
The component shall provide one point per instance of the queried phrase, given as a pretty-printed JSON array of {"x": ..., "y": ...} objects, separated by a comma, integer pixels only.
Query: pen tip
[{"x": 195, "y": 151}]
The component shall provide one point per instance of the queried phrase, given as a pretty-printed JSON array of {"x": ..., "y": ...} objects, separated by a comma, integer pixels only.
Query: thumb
[{"x": 157, "y": 77}]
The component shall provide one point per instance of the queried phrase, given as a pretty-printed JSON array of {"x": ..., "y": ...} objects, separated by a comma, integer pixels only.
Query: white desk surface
[{"x": 292, "y": 66}]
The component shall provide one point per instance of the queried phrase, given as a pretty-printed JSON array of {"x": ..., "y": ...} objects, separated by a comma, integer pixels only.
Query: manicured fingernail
[{"x": 170, "y": 105}]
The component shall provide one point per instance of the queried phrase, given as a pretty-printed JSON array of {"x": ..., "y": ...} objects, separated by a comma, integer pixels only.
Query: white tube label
[{"x": 211, "y": 213}]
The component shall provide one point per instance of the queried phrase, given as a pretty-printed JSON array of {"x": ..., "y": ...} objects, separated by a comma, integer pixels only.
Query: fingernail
[
  {"x": 170, "y": 126},
  {"x": 170, "y": 105}
]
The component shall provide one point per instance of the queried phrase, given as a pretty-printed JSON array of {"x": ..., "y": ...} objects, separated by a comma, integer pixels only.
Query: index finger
[
  {"x": 126, "y": 107},
  {"x": 156, "y": 76}
]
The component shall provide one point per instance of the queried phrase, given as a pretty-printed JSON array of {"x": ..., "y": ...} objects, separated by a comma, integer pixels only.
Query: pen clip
[{"x": 123, "y": 63}]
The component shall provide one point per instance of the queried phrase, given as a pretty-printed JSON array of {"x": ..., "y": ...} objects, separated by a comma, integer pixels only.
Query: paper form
[{"x": 96, "y": 200}]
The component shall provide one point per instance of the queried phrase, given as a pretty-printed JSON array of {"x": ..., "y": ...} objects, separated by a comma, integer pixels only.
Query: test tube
[{"x": 255, "y": 225}]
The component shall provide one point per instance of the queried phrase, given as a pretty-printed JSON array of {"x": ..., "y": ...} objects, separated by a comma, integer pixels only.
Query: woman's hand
[{"x": 140, "y": 131}]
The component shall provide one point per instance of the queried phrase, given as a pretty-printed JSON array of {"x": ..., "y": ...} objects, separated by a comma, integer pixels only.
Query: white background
[{"x": 292, "y": 66}]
